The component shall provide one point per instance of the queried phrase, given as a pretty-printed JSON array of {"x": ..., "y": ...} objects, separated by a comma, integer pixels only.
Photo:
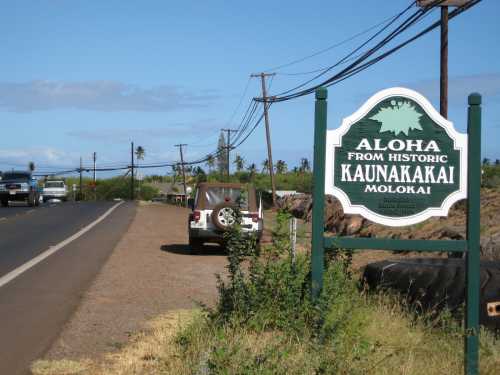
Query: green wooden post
[
  {"x": 473, "y": 236},
  {"x": 317, "y": 247}
]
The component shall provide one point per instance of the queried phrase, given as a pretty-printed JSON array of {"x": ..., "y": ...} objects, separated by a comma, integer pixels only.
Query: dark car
[{"x": 19, "y": 186}]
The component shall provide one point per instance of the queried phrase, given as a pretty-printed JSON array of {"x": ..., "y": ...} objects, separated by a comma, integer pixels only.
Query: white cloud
[
  {"x": 44, "y": 158},
  {"x": 183, "y": 131},
  {"x": 107, "y": 96}
]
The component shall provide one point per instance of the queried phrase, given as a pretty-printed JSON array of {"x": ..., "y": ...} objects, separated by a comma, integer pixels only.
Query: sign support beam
[
  {"x": 473, "y": 236},
  {"x": 317, "y": 246}
]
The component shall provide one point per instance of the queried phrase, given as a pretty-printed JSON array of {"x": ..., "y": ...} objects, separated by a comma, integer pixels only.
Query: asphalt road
[{"x": 35, "y": 305}]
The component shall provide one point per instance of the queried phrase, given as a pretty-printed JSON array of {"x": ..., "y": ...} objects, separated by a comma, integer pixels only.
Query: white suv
[
  {"x": 213, "y": 212},
  {"x": 55, "y": 190}
]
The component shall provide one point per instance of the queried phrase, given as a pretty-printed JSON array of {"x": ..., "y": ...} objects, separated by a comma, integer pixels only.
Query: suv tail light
[
  {"x": 254, "y": 216},
  {"x": 196, "y": 216}
]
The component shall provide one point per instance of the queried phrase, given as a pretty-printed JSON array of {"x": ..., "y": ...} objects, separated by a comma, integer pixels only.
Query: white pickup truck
[{"x": 55, "y": 189}]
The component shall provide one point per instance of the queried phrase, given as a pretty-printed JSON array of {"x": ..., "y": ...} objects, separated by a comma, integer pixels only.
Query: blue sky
[{"x": 84, "y": 76}]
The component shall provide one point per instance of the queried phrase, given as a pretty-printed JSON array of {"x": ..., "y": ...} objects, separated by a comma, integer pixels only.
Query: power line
[
  {"x": 329, "y": 48},
  {"x": 357, "y": 67}
]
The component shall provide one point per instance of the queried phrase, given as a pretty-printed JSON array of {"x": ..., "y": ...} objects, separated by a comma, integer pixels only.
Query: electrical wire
[
  {"x": 356, "y": 67},
  {"x": 329, "y": 48}
]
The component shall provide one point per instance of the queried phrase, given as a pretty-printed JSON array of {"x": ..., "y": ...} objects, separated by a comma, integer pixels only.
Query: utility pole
[
  {"x": 80, "y": 193},
  {"x": 94, "y": 155},
  {"x": 443, "y": 80},
  {"x": 228, "y": 148},
  {"x": 443, "y": 89},
  {"x": 268, "y": 133},
  {"x": 183, "y": 173},
  {"x": 132, "y": 193}
]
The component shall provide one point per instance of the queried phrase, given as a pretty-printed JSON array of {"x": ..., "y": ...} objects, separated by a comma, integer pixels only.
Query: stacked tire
[{"x": 435, "y": 284}]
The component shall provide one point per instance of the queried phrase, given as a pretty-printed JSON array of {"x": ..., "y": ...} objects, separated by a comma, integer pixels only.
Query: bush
[
  {"x": 271, "y": 291},
  {"x": 265, "y": 322}
]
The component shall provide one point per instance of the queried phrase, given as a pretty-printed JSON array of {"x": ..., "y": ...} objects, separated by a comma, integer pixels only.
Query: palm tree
[
  {"x": 252, "y": 168},
  {"x": 175, "y": 172},
  {"x": 199, "y": 174},
  {"x": 265, "y": 166},
  {"x": 240, "y": 163},
  {"x": 210, "y": 162},
  {"x": 140, "y": 152},
  {"x": 281, "y": 167},
  {"x": 31, "y": 166},
  {"x": 305, "y": 166}
]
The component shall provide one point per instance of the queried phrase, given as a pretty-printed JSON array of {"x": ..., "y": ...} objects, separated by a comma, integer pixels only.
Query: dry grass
[
  {"x": 181, "y": 343},
  {"x": 415, "y": 346},
  {"x": 149, "y": 352}
]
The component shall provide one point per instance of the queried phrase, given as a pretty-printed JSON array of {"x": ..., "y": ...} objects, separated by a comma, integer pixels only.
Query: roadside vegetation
[
  {"x": 265, "y": 322},
  {"x": 109, "y": 189}
]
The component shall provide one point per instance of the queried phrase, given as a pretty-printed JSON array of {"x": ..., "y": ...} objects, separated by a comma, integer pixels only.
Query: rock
[
  {"x": 490, "y": 247},
  {"x": 450, "y": 228},
  {"x": 354, "y": 226}
]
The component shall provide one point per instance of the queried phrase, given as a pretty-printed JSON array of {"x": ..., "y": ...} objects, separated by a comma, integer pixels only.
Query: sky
[{"x": 78, "y": 77}]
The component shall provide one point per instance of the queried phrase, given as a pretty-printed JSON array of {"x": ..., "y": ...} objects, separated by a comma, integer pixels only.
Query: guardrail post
[
  {"x": 317, "y": 247},
  {"x": 473, "y": 236}
]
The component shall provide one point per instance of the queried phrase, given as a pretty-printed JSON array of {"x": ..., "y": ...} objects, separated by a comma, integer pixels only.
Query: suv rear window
[
  {"x": 217, "y": 195},
  {"x": 54, "y": 184}
]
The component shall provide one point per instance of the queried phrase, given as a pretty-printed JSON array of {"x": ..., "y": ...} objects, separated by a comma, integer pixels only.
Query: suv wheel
[
  {"x": 31, "y": 200},
  {"x": 5, "y": 202}
]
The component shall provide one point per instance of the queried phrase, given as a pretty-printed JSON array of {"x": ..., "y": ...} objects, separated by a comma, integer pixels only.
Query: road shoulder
[{"x": 149, "y": 273}]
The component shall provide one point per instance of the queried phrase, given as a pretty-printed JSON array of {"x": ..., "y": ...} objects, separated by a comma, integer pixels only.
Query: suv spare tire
[
  {"x": 434, "y": 284},
  {"x": 223, "y": 215}
]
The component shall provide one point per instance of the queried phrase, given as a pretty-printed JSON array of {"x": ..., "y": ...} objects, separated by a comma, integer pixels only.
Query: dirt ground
[{"x": 150, "y": 272}]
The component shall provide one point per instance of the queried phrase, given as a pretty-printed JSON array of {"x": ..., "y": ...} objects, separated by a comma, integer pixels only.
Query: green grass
[
  {"x": 266, "y": 323},
  {"x": 375, "y": 335}
]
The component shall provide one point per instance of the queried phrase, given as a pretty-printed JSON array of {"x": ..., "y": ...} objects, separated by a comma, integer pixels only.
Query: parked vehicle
[
  {"x": 55, "y": 189},
  {"x": 214, "y": 212},
  {"x": 19, "y": 186}
]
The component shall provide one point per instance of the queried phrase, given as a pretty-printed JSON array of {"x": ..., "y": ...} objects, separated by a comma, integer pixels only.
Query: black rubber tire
[
  {"x": 215, "y": 215},
  {"x": 5, "y": 203},
  {"x": 436, "y": 283},
  {"x": 31, "y": 200},
  {"x": 37, "y": 200}
]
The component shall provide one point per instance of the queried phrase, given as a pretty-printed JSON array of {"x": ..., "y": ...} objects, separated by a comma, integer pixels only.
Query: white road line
[{"x": 51, "y": 250}]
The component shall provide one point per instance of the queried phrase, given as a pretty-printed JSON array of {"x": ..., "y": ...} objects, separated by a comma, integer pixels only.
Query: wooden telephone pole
[
  {"x": 94, "y": 156},
  {"x": 228, "y": 149},
  {"x": 268, "y": 132},
  {"x": 443, "y": 82},
  {"x": 132, "y": 192},
  {"x": 443, "y": 87},
  {"x": 183, "y": 173},
  {"x": 80, "y": 193}
]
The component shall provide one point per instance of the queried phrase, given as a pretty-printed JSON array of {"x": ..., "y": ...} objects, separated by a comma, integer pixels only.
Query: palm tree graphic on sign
[{"x": 399, "y": 117}]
